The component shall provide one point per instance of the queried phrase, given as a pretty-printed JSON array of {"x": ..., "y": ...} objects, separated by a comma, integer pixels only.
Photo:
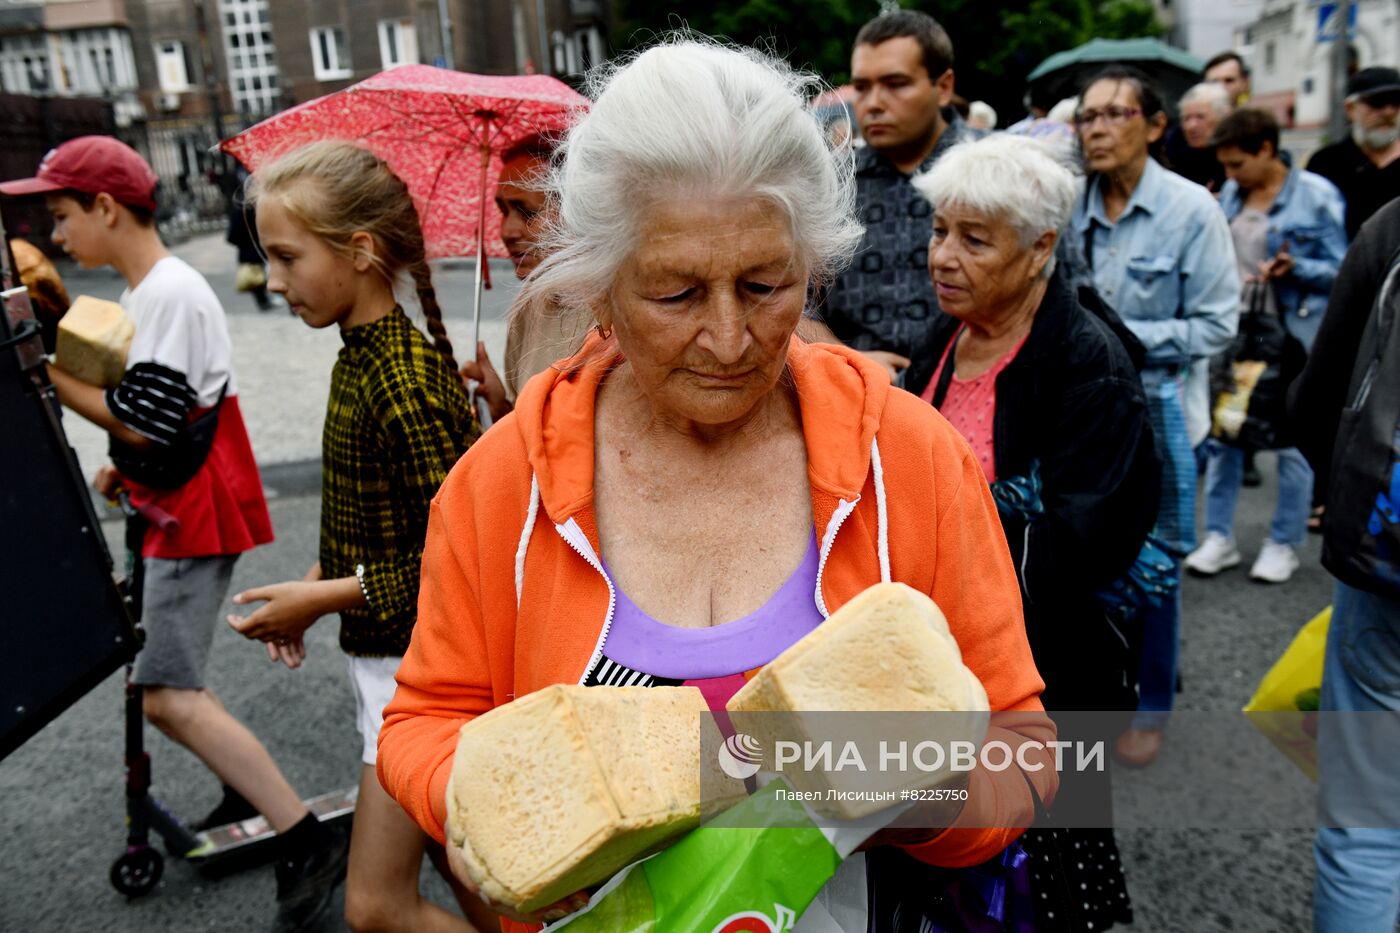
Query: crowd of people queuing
[{"x": 750, "y": 373}]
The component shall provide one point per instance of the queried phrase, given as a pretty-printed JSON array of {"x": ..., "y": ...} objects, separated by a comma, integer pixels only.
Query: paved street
[
  {"x": 283, "y": 367},
  {"x": 61, "y": 793}
]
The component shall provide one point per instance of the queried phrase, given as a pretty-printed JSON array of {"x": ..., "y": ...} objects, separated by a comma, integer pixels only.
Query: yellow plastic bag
[
  {"x": 1292, "y": 687},
  {"x": 1232, "y": 406}
]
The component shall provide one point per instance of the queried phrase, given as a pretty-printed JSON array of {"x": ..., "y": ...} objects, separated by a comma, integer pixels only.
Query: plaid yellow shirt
[{"x": 396, "y": 422}]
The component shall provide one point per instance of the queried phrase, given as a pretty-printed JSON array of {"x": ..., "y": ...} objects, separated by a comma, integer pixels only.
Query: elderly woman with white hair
[
  {"x": 698, "y": 488},
  {"x": 1032, "y": 371},
  {"x": 1187, "y": 145}
]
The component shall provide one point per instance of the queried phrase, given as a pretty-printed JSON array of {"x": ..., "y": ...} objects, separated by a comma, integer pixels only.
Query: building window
[
  {"x": 398, "y": 43},
  {"x": 330, "y": 53},
  {"x": 250, "y": 54},
  {"x": 590, "y": 47},
  {"x": 1307, "y": 86},
  {"x": 575, "y": 54},
  {"x": 172, "y": 68},
  {"x": 1269, "y": 55},
  {"x": 558, "y": 46},
  {"x": 24, "y": 64},
  {"x": 96, "y": 62}
]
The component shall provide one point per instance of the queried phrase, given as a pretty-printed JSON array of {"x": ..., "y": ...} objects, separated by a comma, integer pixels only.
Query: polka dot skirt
[{"x": 1077, "y": 881}]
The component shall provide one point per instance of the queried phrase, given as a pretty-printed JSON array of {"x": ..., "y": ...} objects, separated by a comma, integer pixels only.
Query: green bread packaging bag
[{"x": 753, "y": 869}]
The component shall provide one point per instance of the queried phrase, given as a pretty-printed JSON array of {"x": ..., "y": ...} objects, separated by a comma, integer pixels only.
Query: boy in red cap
[{"x": 177, "y": 441}]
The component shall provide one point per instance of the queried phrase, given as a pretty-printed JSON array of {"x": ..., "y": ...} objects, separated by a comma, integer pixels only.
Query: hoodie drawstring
[
  {"x": 881, "y": 515},
  {"x": 530, "y": 515}
]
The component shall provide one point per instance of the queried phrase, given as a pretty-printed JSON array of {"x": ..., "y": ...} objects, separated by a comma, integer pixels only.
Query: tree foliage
[
  {"x": 994, "y": 50},
  {"x": 810, "y": 34}
]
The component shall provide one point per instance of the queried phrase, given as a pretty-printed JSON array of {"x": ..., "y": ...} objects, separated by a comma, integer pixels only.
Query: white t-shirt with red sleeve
[{"x": 180, "y": 360}]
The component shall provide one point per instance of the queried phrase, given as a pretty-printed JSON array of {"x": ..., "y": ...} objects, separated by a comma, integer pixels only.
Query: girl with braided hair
[{"x": 339, "y": 229}]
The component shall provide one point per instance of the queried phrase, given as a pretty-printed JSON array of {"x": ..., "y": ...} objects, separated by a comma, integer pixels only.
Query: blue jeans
[
  {"x": 1161, "y": 642},
  {"x": 1176, "y": 529},
  {"x": 1224, "y": 475},
  {"x": 1176, "y": 514},
  {"x": 1202, "y": 454},
  {"x": 1358, "y": 869}
]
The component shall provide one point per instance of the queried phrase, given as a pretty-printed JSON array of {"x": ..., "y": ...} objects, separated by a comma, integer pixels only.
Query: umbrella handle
[
  {"x": 476, "y": 303},
  {"x": 480, "y": 405},
  {"x": 480, "y": 246}
]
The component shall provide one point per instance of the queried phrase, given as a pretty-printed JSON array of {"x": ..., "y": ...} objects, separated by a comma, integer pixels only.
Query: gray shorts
[{"x": 181, "y": 601}]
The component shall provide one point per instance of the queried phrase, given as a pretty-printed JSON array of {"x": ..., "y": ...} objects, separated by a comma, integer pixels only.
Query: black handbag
[
  {"x": 1249, "y": 381},
  {"x": 906, "y": 895},
  {"x": 170, "y": 466}
]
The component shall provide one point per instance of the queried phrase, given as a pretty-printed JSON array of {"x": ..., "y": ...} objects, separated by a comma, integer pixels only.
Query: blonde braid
[{"x": 432, "y": 312}]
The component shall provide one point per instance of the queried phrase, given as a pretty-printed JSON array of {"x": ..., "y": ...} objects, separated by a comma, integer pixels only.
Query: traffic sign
[{"x": 1327, "y": 22}]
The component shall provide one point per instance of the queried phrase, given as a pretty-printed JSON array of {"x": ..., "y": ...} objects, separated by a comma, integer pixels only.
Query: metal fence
[
  {"x": 194, "y": 180},
  {"x": 30, "y": 127}
]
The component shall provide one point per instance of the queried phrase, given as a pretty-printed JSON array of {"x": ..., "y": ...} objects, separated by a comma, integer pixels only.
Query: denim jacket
[
  {"x": 1166, "y": 265},
  {"x": 1307, "y": 215}
]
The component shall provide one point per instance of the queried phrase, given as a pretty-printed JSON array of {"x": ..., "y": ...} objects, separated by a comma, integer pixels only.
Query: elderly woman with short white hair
[
  {"x": 698, "y": 488},
  {"x": 1187, "y": 145},
  {"x": 1035, "y": 374}
]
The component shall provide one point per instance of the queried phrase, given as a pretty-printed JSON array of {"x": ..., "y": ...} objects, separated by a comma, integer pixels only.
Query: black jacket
[
  {"x": 1365, "y": 188},
  {"x": 1199, "y": 165},
  {"x": 1319, "y": 394},
  {"x": 1072, "y": 400},
  {"x": 1355, "y": 466}
]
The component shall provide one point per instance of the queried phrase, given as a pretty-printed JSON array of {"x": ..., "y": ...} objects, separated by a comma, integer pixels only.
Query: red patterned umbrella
[{"x": 441, "y": 131}]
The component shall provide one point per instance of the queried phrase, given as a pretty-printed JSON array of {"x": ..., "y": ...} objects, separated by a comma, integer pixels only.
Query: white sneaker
[
  {"x": 1215, "y": 554},
  {"x": 1275, "y": 563}
]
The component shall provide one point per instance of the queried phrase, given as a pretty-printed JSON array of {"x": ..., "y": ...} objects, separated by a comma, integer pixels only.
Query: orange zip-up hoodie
[{"x": 513, "y": 595}]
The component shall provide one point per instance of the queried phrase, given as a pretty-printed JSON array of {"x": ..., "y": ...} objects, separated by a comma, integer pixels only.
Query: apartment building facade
[
  {"x": 1290, "y": 46},
  {"x": 174, "y": 70},
  {"x": 1207, "y": 27}
]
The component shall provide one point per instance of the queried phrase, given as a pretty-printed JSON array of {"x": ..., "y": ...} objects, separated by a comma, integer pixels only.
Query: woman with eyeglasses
[{"x": 1160, "y": 253}]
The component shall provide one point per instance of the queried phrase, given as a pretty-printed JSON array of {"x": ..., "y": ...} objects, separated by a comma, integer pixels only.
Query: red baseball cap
[{"x": 92, "y": 164}]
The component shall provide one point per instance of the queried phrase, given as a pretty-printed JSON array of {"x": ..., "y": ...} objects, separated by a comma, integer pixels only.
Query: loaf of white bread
[
  {"x": 93, "y": 339},
  {"x": 562, "y": 788},
  {"x": 888, "y": 650}
]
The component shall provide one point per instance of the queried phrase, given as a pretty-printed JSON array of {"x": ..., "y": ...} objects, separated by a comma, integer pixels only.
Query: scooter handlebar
[{"x": 167, "y": 523}]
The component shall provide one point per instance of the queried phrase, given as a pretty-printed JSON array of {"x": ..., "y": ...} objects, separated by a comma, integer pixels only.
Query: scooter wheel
[{"x": 137, "y": 872}]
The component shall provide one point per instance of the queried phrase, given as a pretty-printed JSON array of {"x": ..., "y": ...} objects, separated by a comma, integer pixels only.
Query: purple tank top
[{"x": 642, "y": 651}]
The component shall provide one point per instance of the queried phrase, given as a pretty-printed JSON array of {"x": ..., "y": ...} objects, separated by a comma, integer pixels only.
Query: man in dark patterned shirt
[{"x": 902, "y": 72}]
